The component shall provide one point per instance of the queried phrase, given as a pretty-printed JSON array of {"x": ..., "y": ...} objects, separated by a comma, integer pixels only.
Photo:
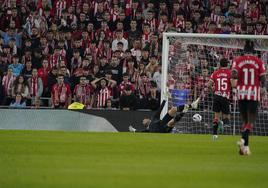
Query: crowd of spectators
[{"x": 104, "y": 53}]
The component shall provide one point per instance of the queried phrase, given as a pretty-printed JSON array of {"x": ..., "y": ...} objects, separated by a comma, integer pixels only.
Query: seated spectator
[
  {"x": 61, "y": 95},
  {"x": 109, "y": 105},
  {"x": 128, "y": 100},
  {"x": 18, "y": 102},
  {"x": 20, "y": 86},
  {"x": 83, "y": 93},
  {"x": 103, "y": 91}
]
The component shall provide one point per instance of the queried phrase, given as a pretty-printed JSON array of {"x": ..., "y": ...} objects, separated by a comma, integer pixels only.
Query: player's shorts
[
  {"x": 221, "y": 104},
  {"x": 165, "y": 120},
  {"x": 164, "y": 123},
  {"x": 248, "y": 106}
]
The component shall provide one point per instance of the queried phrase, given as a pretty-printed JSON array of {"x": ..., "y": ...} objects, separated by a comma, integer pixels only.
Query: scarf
[
  {"x": 34, "y": 86},
  {"x": 54, "y": 60},
  {"x": 8, "y": 83},
  {"x": 82, "y": 94},
  {"x": 144, "y": 89},
  {"x": 60, "y": 94}
]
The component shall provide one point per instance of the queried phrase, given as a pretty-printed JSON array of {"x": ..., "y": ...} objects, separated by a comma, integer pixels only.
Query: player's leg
[
  {"x": 243, "y": 108},
  {"x": 217, "y": 113},
  {"x": 247, "y": 128},
  {"x": 168, "y": 119},
  {"x": 226, "y": 111}
]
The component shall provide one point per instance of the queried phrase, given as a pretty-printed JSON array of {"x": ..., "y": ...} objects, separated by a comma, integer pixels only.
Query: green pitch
[{"x": 30, "y": 159}]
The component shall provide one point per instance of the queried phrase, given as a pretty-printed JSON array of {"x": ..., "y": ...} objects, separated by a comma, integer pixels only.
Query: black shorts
[
  {"x": 248, "y": 106},
  {"x": 221, "y": 104},
  {"x": 165, "y": 120}
]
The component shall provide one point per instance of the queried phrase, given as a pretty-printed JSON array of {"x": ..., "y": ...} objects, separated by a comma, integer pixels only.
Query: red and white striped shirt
[
  {"x": 60, "y": 6},
  {"x": 249, "y": 69},
  {"x": 103, "y": 95}
]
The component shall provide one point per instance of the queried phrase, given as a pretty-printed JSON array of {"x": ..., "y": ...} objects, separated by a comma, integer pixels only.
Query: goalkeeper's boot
[
  {"x": 132, "y": 129},
  {"x": 194, "y": 104}
]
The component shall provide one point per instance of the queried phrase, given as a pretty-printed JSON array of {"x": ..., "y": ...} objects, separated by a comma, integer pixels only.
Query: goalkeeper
[{"x": 165, "y": 125}]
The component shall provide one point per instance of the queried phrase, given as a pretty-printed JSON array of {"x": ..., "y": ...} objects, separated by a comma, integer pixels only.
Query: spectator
[
  {"x": 61, "y": 93},
  {"x": 119, "y": 38},
  {"x": 16, "y": 66},
  {"x": 153, "y": 97},
  {"x": 36, "y": 86},
  {"x": 27, "y": 70},
  {"x": 43, "y": 74},
  {"x": 125, "y": 83},
  {"x": 19, "y": 102},
  {"x": 7, "y": 83},
  {"x": 103, "y": 91},
  {"x": 20, "y": 86},
  {"x": 128, "y": 100},
  {"x": 83, "y": 93}
]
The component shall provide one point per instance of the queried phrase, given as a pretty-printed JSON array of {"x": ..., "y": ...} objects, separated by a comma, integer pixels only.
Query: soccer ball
[{"x": 197, "y": 118}]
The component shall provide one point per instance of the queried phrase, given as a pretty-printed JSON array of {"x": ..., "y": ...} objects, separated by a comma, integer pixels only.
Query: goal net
[{"x": 188, "y": 60}]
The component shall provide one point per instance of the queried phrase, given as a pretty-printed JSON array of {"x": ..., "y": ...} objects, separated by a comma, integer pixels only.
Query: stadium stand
[{"x": 102, "y": 47}]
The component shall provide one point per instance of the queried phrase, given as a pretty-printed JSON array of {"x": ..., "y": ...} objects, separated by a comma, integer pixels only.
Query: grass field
[{"x": 123, "y": 160}]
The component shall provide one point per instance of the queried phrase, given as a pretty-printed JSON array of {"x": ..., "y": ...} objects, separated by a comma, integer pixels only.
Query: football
[{"x": 197, "y": 118}]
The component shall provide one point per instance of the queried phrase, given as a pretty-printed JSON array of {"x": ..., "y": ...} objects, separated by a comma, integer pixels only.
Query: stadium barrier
[{"x": 113, "y": 121}]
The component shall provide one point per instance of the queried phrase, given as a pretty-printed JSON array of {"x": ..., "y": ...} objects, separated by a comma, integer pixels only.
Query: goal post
[{"x": 188, "y": 59}]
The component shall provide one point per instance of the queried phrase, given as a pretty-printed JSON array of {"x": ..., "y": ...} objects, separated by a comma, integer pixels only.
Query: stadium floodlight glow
[{"x": 182, "y": 56}]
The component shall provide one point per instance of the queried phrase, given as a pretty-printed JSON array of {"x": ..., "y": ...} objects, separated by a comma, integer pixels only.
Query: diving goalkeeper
[{"x": 165, "y": 125}]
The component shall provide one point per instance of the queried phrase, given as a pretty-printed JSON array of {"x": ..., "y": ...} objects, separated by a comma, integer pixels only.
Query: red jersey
[
  {"x": 249, "y": 69},
  {"x": 222, "y": 82}
]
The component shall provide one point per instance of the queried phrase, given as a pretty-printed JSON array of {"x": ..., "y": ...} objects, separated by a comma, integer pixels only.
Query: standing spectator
[
  {"x": 136, "y": 50},
  {"x": 43, "y": 74},
  {"x": 7, "y": 83},
  {"x": 133, "y": 33},
  {"x": 143, "y": 90},
  {"x": 119, "y": 38},
  {"x": 154, "y": 97},
  {"x": 61, "y": 93},
  {"x": 27, "y": 70},
  {"x": 103, "y": 92},
  {"x": 52, "y": 79},
  {"x": 116, "y": 69},
  {"x": 146, "y": 34},
  {"x": 36, "y": 86},
  {"x": 83, "y": 93},
  {"x": 16, "y": 66},
  {"x": 152, "y": 66}
]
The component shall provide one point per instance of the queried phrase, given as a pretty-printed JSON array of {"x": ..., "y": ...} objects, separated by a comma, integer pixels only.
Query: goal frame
[{"x": 165, "y": 55}]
